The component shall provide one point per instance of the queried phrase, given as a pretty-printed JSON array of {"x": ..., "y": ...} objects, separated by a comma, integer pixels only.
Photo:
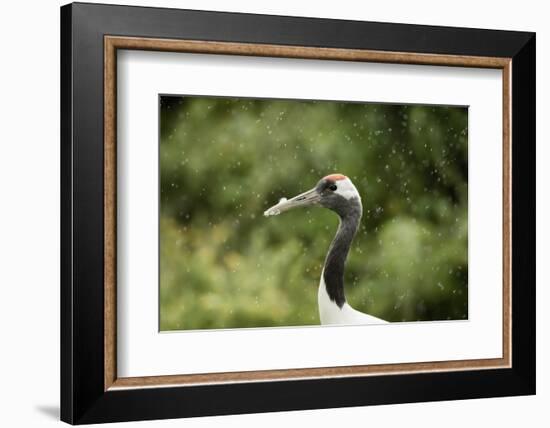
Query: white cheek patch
[{"x": 346, "y": 189}]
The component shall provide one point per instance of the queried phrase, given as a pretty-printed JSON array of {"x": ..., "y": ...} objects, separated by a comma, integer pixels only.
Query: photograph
[{"x": 292, "y": 212}]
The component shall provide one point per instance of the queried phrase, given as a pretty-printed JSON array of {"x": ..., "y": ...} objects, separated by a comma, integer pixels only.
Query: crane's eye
[{"x": 333, "y": 187}]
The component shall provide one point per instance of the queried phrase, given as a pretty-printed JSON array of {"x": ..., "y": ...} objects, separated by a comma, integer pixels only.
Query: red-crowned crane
[{"x": 337, "y": 193}]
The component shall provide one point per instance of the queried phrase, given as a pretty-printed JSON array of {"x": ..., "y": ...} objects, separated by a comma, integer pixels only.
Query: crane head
[{"x": 335, "y": 192}]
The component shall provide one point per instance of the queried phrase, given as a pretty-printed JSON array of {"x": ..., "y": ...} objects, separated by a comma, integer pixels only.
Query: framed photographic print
[{"x": 265, "y": 213}]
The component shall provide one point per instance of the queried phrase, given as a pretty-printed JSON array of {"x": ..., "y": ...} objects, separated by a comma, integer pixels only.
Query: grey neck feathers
[{"x": 333, "y": 271}]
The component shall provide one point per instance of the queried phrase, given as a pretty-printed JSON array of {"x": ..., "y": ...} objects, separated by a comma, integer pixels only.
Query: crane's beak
[{"x": 311, "y": 197}]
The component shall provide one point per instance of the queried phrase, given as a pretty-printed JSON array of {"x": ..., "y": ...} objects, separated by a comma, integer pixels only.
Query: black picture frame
[{"x": 83, "y": 398}]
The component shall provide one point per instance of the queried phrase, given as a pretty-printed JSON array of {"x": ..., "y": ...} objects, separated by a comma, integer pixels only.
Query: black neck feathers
[{"x": 333, "y": 272}]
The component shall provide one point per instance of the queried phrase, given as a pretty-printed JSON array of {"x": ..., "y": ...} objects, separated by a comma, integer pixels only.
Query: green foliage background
[{"x": 225, "y": 160}]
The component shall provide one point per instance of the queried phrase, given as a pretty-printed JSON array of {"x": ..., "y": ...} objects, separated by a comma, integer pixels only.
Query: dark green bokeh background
[{"x": 223, "y": 161}]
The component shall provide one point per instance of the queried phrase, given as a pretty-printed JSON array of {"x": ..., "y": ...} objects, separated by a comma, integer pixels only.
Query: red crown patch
[{"x": 335, "y": 177}]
